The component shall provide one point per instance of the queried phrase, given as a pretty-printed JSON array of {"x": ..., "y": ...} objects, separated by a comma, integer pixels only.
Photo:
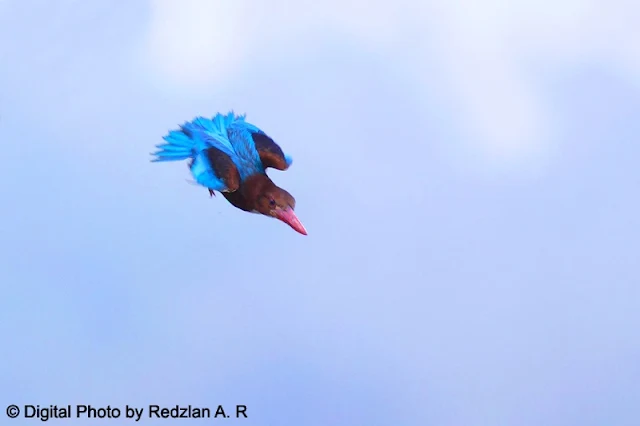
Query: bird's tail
[{"x": 179, "y": 146}]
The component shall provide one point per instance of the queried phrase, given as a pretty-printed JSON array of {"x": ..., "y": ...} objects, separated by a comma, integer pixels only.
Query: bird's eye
[{"x": 272, "y": 202}]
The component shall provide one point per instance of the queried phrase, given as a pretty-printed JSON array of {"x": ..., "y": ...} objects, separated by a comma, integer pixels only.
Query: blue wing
[
  {"x": 223, "y": 150},
  {"x": 215, "y": 170},
  {"x": 230, "y": 135},
  {"x": 212, "y": 156},
  {"x": 265, "y": 152}
]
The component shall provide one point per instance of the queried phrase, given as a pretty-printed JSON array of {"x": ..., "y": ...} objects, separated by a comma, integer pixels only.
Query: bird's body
[{"x": 229, "y": 155}]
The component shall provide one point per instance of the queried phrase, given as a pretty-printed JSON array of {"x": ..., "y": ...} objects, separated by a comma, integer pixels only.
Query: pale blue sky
[{"x": 471, "y": 202}]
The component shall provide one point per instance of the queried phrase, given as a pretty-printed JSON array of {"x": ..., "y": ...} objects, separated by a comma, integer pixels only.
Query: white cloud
[
  {"x": 195, "y": 42},
  {"x": 483, "y": 49}
]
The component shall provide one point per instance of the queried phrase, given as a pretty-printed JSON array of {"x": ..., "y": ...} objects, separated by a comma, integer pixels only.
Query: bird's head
[{"x": 278, "y": 203}]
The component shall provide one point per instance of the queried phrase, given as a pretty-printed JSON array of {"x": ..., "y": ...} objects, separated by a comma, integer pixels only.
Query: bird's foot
[{"x": 211, "y": 193}]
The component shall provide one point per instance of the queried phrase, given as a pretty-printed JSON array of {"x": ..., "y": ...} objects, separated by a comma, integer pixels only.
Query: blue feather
[
  {"x": 288, "y": 159},
  {"x": 229, "y": 133},
  {"x": 204, "y": 174}
]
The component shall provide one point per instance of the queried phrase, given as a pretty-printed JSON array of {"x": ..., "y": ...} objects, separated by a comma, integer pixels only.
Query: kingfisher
[{"x": 230, "y": 155}]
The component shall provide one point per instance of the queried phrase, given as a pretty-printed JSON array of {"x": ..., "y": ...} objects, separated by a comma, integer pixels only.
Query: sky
[{"x": 467, "y": 173}]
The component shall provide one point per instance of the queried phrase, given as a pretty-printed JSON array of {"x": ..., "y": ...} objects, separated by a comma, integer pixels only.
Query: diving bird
[{"x": 230, "y": 155}]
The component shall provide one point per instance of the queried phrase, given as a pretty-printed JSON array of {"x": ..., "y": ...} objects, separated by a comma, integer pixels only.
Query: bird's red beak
[{"x": 289, "y": 217}]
